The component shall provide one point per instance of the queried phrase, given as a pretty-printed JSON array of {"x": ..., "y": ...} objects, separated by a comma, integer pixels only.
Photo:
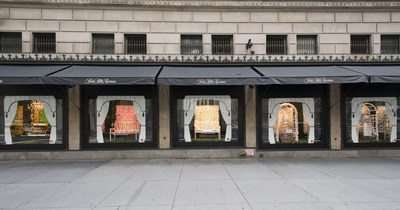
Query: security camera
[{"x": 249, "y": 44}]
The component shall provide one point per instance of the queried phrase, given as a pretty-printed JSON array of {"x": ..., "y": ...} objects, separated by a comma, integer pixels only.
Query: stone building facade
[{"x": 332, "y": 28}]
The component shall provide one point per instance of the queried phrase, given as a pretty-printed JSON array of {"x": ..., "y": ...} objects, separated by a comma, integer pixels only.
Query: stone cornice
[
  {"x": 237, "y": 4},
  {"x": 88, "y": 59}
]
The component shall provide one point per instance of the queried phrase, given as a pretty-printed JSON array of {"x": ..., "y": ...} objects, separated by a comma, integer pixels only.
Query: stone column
[
  {"x": 292, "y": 44},
  {"x": 26, "y": 42},
  {"x": 335, "y": 105},
  {"x": 376, "y": 43},
  {"x": 250, "y": 103},
  {"x": 74, "y": 122},
  {"x": 164, "y": 117}
]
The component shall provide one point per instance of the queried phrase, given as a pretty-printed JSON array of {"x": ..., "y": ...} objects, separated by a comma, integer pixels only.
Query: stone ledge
[
  {"x": 191, "y": 154},
  {"x": 271, "y": 4}
]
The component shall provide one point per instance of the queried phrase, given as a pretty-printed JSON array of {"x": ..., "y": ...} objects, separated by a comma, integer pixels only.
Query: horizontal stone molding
[
  {"x": 193, "y": 153},
  {"x": 169, "y": 58},
  {"x": 371, "y": 4}
]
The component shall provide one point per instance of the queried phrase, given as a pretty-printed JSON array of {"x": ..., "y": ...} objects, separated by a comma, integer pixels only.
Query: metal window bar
[
  {"x": 191, "y": 44},
  {"x": 306, "y": 45},
  {"x": 390, "y": 44},
  {"x": 360, "y": 45},
  {"x": 135, "y": 44},
  {"x": 222, "y": 44},
  {"x": 10, "y": 42},
  {"x": 276, "y": 45},
  {"x": 44, "y": 43},
  {"x": 103, "y": 43}
]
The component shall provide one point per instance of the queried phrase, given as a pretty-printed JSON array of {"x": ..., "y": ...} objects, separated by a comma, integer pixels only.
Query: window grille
[
  {"x": 306, "y": 45},
  {"x": 135, "y": 44},
  {"x": 360, "y": 44},
  {"x": 276, "y": 45},
  {"x": 222, "y": 44},
  {"x": 390, "y": 44},
  {"x": 10, "y": 42},
  {"x": 103, "y": 43},
  {"x": 44, "y": 43},
  {"x": 191, "y": 44}
]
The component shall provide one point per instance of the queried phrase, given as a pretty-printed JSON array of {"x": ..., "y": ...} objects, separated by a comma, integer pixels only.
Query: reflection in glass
[
  {"x": 291, "y": 120},
  {"x": 32, "y": 120},
  {"x": 371, "y": 119},
  {"x": 120, "y": 119},
  {"x": 207, "y": 119}
]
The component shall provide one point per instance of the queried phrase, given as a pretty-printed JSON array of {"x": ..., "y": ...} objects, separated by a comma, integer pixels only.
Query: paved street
[{"x": 201, "y": 184}]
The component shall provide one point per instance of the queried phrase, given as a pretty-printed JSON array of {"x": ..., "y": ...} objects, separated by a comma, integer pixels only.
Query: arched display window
[
  {"x": 292, "y": 116},
  {"x": 206, "y": 116},
  {"x": 33, "y": 117},
  {"x": 284, "y": 123},
  {"x": 371, "y": 115},
  {"x": 120, "y": 116},
  {"x": 373, "y": 119}
]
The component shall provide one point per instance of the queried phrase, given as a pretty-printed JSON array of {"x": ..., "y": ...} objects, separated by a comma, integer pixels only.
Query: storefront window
[
  {"x": 120, "y": 119},
  {"x": 291, "y": 120},
  {"x": 372, "y": 120},
  {"x": 205, "y": 118},
  {"x": 31, "y": 120}
]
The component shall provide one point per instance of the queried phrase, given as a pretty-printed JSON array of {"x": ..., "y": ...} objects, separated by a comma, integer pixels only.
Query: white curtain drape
[
  {"x": 139, "y": 104},
  {"x": 356, "y": 110},
  {"x": 189, "y": 104},
  {"x": 49, "y": 108},
  {"x": 273, "y": 111},
  {"x": 307, "y": 108},
  {"x": 11, "y": 108},
  {"x": 11, "y": 104},
  {"x": 225, "y": 105},
  {"x": 393, "y": 119},
  {"x": 102, "y": 106}
]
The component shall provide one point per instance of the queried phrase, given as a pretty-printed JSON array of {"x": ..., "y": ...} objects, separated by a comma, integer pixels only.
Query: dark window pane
[
  {"x": 135, "y": 44},
  {"x": 276, "y": 45},
  {"x": 306, "y": 45},
  {"x": 44, "y": 43},
  {"x": 191, "y": 45},
  {"x": 390, "y": 44},
  {"x": 103, "y": 43},
  {"x": 222, "y": 44},
  {"x": 360, "y": 44},
  {"x": 10, "y": 42}
]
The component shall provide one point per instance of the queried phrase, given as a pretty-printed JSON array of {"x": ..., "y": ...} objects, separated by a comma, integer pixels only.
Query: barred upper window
[
  {"x": 222, "y": 44},
  {"x": 103, "y": 44},
  {"x": 276, "y": 45},
  {"x": 390, "y": 44},
  {"x": 360, "y": 44},
  {"x": 10, "y": 42},
  {"x": 135, "y": 44},
  {"x": 307, "y": 45},
  {"x": 191, "y": 44},
  {"x": 44, "y": 43}
]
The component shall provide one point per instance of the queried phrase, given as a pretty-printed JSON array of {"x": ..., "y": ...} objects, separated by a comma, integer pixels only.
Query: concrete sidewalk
[{"x": 186, "y": 184}]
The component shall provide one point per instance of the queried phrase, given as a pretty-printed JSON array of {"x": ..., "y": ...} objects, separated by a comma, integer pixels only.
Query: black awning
[
  {"x": 379, "y": 74},
  {"x": 26, "y": 75},
  {"x": 310, "y": 75},
  {"x": 208, "y": 76},
  {"x": 105, "y": 75}
]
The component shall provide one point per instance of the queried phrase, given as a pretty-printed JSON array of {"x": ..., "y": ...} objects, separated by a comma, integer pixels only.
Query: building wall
[{"x": 74, "y": 25}]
